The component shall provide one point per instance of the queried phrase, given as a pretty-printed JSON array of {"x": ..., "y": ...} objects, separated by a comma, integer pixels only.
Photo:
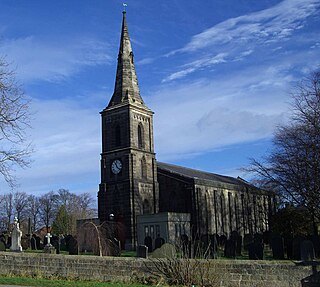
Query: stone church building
[{"x": 135, "y": 184}]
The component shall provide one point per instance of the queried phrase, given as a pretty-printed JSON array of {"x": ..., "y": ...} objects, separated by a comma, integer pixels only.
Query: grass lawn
[{"x": 25, "y": 281}]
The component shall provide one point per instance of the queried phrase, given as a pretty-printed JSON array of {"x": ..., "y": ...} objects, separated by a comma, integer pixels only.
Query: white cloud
[
  {"x": 244, "y": 35},
  {"x": 66, "y": 137},
  {"x": 276, "y": 22},
  {"x": 53, "y": 60},
  {"x": 207, "y": 115}
]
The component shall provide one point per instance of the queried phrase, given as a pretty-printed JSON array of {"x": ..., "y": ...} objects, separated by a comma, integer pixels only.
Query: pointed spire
[{"x": 126, "y": 87}]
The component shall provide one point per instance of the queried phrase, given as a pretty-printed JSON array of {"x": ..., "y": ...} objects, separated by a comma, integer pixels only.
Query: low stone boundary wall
[{"x": 243, "y": 273}]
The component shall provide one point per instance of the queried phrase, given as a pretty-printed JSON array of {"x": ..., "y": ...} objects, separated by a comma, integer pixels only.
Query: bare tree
[
  {"x": 14, "y": 119},
  {"x": 7, "y": 209},
  {"x": 34, "y": 211},
  {"x": 293, "y": 166},
  {"x": 20, "y": 204},
  {"x": 48, "y": 208},
  {"x": 71, "y": 207}
]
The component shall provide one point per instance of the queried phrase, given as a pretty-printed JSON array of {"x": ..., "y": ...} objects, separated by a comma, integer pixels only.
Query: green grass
[{"x": 26, "y": 281}]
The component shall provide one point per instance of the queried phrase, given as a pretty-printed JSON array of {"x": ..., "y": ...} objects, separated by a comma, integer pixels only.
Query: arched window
[
  {"x": 140, "y": 136},
  {"x": 146, "y": 207},
  {"x": 143, "y": 168},
  {"x": 117, "y": 133}
]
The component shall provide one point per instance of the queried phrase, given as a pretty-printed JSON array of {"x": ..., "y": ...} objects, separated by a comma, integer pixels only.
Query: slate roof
[{"x": 202, "y": 175}]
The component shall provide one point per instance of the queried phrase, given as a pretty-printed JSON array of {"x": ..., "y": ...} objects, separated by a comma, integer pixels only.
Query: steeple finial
[
  {"x": 126, "y": 87},
  {"x": 124, "y": 7}
]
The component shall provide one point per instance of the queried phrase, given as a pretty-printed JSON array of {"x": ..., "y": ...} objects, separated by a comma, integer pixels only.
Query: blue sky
[{"x": 217, "y": 74}]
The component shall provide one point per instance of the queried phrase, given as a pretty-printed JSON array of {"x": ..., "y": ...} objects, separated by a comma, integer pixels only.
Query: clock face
[{"x": 116, "y": 166}]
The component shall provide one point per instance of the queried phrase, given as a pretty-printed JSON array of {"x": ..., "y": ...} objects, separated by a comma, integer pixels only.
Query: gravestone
[
  {"x": 33, "y": 243},
  {"x": 316, "y": 244},
  {"x": 247, "y": 240},
  {"x": 25, "y": 242},
  {"x": 16, "y": 235},
  {"x": 256, "y": 248},
  {"x": 204, "y": 240},
  {"x": 307, "y": 250},
  {"x": 38, "y": 242},
  {"x": 222, "y": 240},
  {"x": 296, "y": 251},
  {"x": 238, "y": 240},
  {"x": 8, "y": 242},
  {"x": 230, "y": 248},
  {"x": 214, "y": 245},
  {"x": 62, "y": 243},
  {"x": 148, "y": 243},
  {"x": 266, "y": 237},
  {"x": 158, "y": 242},
  {"x": 288, "y": 245},
  {"x": 277, "y": 247},
  {"x": 73, "y": 246},
  {"x": 142, "y": 251},
  {"x": 49, "y": 248},
  {"x": 56, "y": 243},
  {"x": 2, "y": 246},
  {"x": 167, "y": 250}
]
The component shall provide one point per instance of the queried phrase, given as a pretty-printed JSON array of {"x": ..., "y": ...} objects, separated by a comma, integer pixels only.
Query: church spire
[{"x": 126, "y": 87}]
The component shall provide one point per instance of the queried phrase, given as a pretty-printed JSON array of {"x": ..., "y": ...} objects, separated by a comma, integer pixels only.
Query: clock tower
[{"x": 129, "y": 185}]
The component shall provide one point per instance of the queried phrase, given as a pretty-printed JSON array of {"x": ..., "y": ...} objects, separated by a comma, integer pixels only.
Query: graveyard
[{"x": 262, "y": 258}]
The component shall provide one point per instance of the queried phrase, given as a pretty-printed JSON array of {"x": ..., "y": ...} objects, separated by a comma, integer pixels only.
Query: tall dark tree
[
  {"x": 293, "y": 166},
  {"x": 34, "y": 211},
  {"x": 48, "y": 208},
  {"x": 14, "y": 120},
  {"x": 6, "y": 210},
  {"x": 20, "y": 204}
]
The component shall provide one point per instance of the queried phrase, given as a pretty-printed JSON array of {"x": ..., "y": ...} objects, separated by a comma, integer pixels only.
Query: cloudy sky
[{"x": 217, "y": 74}]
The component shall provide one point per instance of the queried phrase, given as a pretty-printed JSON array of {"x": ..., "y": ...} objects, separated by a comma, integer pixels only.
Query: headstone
[
  {"x": 277, "y": 247},
  {"x": 238, "y": 241},
  {"x": 296, "y": 252},
  {"x": 8, "y": 242},
  {"x": 73, "y": 246},
  {"x": 2, "y": 246},
  {"x": 56, "y": 243},
  {"x": 148, "y": 243},
  {"x": 38, "y": 242},
  {"x": 49, "y": 248},
  {"x": 214, "y": 245},
  {"x": 316, "y": 244},
  {"x": 62, "y": 242},
  {"x": 222, "y": 240},
  {"x": 230, "y": 248},
  {"x": 167, "y": 250},
  {"x": 142, "y": 251},
  {"x": 33, "y": 243},
  {"x": 247, "y": 240},
  {"x": 266, "y": 237},
  {"x": 288, "y": 245},
  {"x": 25, "y": 242},
  {"x": 256, "y": 248},
  {"x": 158, "y": 242},
  {"x": 307, "y": 250},
  {"x": 16, "y": 237}
]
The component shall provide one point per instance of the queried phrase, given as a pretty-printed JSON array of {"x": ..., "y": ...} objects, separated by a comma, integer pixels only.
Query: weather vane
[{"x": 124, "y": 6}]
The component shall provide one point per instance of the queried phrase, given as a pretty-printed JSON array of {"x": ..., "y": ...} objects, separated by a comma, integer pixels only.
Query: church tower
[{"x": 129, "y": 185}]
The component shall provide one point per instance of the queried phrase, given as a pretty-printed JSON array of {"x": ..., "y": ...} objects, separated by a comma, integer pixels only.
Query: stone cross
[{"x": 48, "y": 236}]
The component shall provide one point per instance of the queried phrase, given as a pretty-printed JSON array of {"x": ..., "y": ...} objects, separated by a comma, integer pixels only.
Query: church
[{"x": 134, "y": 185}]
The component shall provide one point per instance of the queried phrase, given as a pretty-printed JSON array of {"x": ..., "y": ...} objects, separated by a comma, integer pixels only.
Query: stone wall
[{"x": 229, "y": 273}]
